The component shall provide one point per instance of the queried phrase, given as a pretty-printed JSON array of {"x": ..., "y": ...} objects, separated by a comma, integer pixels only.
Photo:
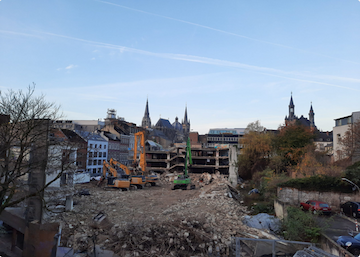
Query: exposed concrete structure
[
  {"x": 208, "y": 160},
  {"x": 83, "y": 125}
]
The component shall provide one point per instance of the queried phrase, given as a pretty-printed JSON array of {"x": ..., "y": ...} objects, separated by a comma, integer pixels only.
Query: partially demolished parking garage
[{"x": 155, "y": 221}]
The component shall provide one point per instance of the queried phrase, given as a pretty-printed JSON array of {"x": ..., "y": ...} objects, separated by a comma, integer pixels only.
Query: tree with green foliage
[
  {"x": 300, "y": 226},
  {"x": 256, "y": 150},
  {"x": 352, "y": 173},
  {"x": 290, "y": 144}
]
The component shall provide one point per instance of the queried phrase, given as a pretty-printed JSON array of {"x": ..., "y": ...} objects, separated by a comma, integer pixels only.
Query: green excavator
[{"x": 183, "y": 181}]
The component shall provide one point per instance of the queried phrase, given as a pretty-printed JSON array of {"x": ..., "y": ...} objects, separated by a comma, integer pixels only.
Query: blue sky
[{"x": 230, "y": 62}]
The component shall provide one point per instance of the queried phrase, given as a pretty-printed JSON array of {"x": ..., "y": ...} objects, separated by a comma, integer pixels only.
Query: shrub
[
  {"x": 300, "y": 226},
  {"x": 353, "y": 172},
  {"x": 320, "y": 183}
]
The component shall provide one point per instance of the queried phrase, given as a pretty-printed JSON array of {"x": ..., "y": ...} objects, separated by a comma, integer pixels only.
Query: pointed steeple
[
  {"x": 186, "y": 123},
  {"x": 311, "y": 116},
  {"x": 146, "y": 121},
  {"x": 291, "y": 109},
  {"x": 185, "y": 116}
]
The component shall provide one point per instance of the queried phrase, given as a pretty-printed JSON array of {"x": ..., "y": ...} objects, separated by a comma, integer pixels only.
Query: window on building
[
  {"x": 89, "y": 162},
  {"x": 95, "y": 145},
  {"x": 99, "y": 162},
  {"x": 104, "y": 146},
  {"x": 104, "y": 154},
  {"x": 90, "y": 154},
  {"x": 91, "y": 145},
  {"x": 99, "y": 170},
  {"x": 94, "y": 163},
  {"x": 100, "y": 153},
  {"x": 95, "y": 154},
  {"x": 100, "y": 146},
  {"x": 94, "y": 170}
]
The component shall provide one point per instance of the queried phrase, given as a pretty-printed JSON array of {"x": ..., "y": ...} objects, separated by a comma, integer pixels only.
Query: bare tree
[
  {"x": 29, "y": 151},
  {"x": 351, "y": 140}
]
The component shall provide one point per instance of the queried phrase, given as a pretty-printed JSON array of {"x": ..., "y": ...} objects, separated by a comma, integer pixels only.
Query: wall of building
[
  {"x": 339, "y": 132},
  {"x": 97, "y": 153},
  {"x": 341, "y": 126}
]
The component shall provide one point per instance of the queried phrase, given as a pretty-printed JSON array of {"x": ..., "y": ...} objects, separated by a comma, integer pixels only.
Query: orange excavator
[
  {"x": 113, "y": 181},
  {"x": 141, "y": 165},
  {"x": 136, "y": 180}
]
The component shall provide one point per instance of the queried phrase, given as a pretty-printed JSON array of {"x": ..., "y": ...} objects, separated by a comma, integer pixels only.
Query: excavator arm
[
  {"x": 120, "y": 165},
  {"x": 140, "y": 137},
  {"x": 107, "y": 167}
]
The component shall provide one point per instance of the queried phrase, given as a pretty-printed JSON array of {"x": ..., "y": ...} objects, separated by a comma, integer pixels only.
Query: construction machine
[
  {"x": 141, "y": 165},
  {"x": 182, "y": 181},
  {"x": 136, "y": 180},
  {"x": 113, "y": 181}
]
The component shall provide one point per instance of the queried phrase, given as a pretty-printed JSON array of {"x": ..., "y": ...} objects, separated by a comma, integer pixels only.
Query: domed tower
[
  {"x": 177, "y": 125},
  {"x": 146, "y": 122}
]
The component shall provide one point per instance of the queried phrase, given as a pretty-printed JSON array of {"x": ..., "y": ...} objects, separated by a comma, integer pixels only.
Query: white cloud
[{"x": 71, "y": 66}]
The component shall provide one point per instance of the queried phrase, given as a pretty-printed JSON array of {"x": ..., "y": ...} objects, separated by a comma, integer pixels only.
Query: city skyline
[{"x": 229, "y": 63}]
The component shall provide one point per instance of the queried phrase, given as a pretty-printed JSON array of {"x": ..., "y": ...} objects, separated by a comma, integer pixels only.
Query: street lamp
[{"x": 352, "y": 183}]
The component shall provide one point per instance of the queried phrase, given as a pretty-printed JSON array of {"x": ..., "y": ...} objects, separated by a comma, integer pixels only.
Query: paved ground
[{"x": 337, "y": 225}]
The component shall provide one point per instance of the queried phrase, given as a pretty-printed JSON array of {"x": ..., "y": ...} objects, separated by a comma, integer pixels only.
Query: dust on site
[{"x": 156, "y": 221}]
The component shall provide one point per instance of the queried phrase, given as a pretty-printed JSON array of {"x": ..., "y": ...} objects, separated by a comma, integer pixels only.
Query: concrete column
[
  {"x": 217, "y": 162},
  {"x": 233, "y": 169},
  {"x": 168, "y": 158},
  {"x": 69, "y": 203}
]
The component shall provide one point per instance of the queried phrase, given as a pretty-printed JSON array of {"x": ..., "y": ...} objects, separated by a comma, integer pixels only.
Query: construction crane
[
  {"x": 113, "y": 181},
  {"x": 136, "y": 180},
  {"x": 182, "y": 181},
  {"x": 141, "y": 165}
]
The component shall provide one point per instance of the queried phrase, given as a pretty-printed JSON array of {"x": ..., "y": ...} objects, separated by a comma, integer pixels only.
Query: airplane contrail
[
  {"x": 225, "y": 32},
  {"x": 191, "y": 58}
]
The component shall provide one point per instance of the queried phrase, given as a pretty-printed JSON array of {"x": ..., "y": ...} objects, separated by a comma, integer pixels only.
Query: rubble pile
[{"x": 157, "y": 221}]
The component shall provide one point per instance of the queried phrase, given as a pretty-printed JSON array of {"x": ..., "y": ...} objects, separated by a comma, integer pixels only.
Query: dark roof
[
  {"x": 111, "y": 136},
  {"x": 324, "y": 136},
  {"x": 304, "y": 121},
  {"x": 120, "y": 130},
  {"x": 162, "y": 123},
  {"x": 73, "y": 136},
  {"x": 158, "y": 133}
]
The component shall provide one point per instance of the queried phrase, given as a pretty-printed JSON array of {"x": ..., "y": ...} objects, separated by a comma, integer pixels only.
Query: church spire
[
  {"x": 146, "y": 121},
  {"x": 186, "y": 123},
  {"x": 185, "y": 116},
  {"x": 311, "y": 116},
  {"x": 291, "y": 109}
]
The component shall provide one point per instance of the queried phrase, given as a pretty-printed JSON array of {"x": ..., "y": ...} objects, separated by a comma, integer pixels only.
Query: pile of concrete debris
[{"x": 158, "y": 221}]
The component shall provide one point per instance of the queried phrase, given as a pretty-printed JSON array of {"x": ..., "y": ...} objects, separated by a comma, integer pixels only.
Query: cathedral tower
[
  {"x": 312, "y": 117},
  {"x": 291, "y": 109},
  {"x": 186, "y": 123},
  {"x": 146, "y": 122}
]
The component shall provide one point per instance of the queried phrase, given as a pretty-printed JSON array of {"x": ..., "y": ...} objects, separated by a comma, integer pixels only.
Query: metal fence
[{"x": 271, "y": 248}]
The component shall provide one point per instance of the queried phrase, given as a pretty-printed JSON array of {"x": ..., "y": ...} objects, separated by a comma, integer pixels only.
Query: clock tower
[{"x": 291, "y": 109}]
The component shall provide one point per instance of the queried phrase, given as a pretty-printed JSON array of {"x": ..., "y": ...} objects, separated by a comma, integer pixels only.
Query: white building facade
[
  {"x": 97, "y": 154},
  {"x": 341, "y": 126}
]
